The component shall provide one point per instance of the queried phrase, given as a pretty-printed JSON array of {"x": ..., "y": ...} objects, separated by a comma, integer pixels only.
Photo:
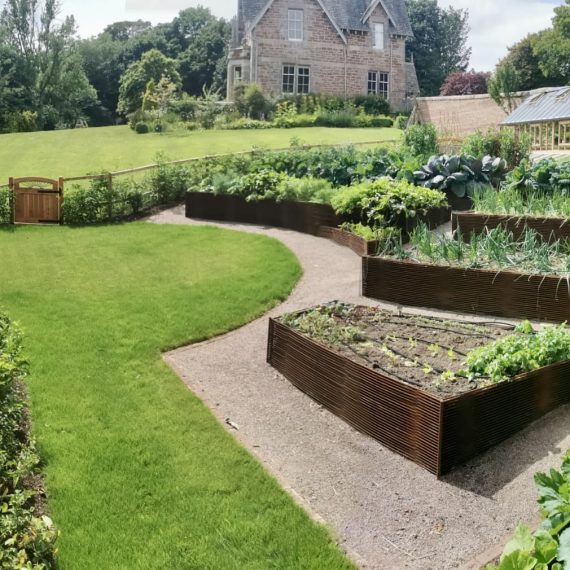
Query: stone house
[{"x": 334, "y": 47}]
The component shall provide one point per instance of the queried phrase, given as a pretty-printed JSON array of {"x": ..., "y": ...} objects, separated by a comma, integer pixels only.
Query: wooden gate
[{"x": 36, "y": 200}]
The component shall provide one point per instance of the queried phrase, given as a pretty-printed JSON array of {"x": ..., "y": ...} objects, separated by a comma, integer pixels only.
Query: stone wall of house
[{"x": 336, "y": 68}]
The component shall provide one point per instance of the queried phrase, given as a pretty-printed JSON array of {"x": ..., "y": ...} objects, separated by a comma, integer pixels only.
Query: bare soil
[{"x": 424, "y": 351}]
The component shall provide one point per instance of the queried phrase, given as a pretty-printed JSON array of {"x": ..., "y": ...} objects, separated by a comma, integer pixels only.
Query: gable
[{"x": 321, "y": 3}]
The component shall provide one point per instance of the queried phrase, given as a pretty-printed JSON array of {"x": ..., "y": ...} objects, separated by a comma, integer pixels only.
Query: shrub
[
  {"x": 254, "y": 103},
  {"x": 185, "y": 107},
  {"x": 338, "y": 119},
  {"x": 261, "y": 185},
  {"x": 5, "y": 206},
  {"x": 512, "y": 147},
  {"x": 401, "y": 122},
  {"x": 548, "y": 176},
  {"x": 385, "y": 201},
  {"x": 373, "y": 121},
  {"x": 305, "y": 189},
  {"x": 373, "y": 104},
  {"x": 421, "y": 140},
  {"x": 27, "y": 537},
  {"x": 142, "y": 128},
  {"x": 246, "y": 124}
]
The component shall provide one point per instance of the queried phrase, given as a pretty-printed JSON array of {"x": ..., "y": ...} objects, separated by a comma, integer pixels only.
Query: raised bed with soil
[
  {"x": 507, "y": 294},
  {"x": 392, "y": 382},
  {"x": 433, "y": 219},
  {"x": 299, "y": 216},
  {"x": 550, "y": 229}
]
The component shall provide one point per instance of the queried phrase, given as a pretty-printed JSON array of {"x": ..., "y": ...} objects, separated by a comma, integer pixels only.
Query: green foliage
[
  {"x": 142, "y": 128},
  {"x": 496, "y": 249},
  {"x": 260, "y": 185},
  {"x": 385, "y": 201},
  {"x": 512, "y": 355},
  {"x": 510, "y": 146},
  {"x": 5, "y": 206},
  {"x": 152, "y": 66},
  {"x": 514, "y": 202},
  {"x": 384, "y": 235},
  {"x": 440, "y": 43},
  {"x": 373, "y": 104},
  {"x": 305, "y": 189},
  {"x": 251, "y": 101},
  {"x": 401, "y": 122},
  {"x": 27, "y": 539},
  {"x": 547, "y": 176},
  {"x": 421, "y": 140},
  {"x": 460, "y": 175},
  {"x": 549, "y": 547},
  {"x": 504, "y": 85}
]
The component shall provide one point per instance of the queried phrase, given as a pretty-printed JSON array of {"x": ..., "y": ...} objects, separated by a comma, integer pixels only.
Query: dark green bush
[
  {"x": 373, "y": 104},
  {"x": 5, "y": 206},
  {"x": 338, "y": 119},
  {"x": 27, "y": 536},
  {"x": 545, "y": 177},
  {"x": 142, "y": 128},
  {"x": 373, "y": 121}
]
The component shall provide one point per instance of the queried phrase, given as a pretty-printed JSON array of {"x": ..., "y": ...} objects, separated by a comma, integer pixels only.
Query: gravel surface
[{"x": 387, "y": 512}]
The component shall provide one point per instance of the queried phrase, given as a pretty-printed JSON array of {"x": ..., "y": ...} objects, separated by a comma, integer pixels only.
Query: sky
[{"x": 495, "y": 24}]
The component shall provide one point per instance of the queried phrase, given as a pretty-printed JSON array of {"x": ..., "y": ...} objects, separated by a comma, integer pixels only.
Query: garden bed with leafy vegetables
[
  {"x": 492, "y": 274},
  {"x": 438, "y": 392},
  {"x": 27, "y": 535}
]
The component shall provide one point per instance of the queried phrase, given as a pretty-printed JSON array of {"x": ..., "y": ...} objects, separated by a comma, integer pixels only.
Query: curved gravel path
[{"x": 387, "y": 512}]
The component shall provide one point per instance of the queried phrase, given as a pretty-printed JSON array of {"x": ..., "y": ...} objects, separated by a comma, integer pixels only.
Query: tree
[
  {"x": 503, "y": 86},
  {"x": 45, "y": 70},
  {"x": 526, "y": 63},
  {"x": 465, "y": 83},
  {"x": 439, "y": 46},
  {"x": 553, "y": 46},
  {"x": 154, "y": 66}
]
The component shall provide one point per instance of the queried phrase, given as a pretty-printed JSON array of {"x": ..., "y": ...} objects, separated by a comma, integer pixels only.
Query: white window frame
[
  {"x": 379, "y": 36},
  {"x": 379, "y": 83},
  {"x": 298, "y": 73},
  {"x": 295, "y": 25}
]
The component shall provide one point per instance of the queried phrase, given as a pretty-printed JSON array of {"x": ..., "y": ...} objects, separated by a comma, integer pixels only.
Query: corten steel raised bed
[
  {"x": 435, "y": 432},
  {"x": 303, "y": 217},
  {"x": 479, "y": 291},
  {"x": 433, "y": 219},
  {"x": 551, "y": 229}
]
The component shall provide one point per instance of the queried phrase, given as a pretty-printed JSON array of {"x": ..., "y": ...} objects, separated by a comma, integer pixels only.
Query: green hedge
[
  {"x": 27, "y": 536},
  {"x": 5, "y": 206}
]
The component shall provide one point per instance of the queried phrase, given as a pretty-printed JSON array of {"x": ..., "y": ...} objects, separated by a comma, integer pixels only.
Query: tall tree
[
  {"x": 504, "y": 85},
  {"x": 153, "y": 66},
  {"x": 465, "y": 83},
  {"x": 439, "y": 46},
  {"x": 45, "y": 62}
]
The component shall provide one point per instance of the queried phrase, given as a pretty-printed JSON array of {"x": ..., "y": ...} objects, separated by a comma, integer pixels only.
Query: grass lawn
[
  {"x": 139, "y": 473},
  {"x": 82, "y": 151}
]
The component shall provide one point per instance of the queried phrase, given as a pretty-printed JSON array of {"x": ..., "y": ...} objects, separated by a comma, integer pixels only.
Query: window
[
  {"x": 237, "y": 75},
  {"x": 379, "y": 36},
  {"x": 296, "y": 25},
  {"x": 296, "y": 80},
  {"x": 378, "y": 84},
  {"x": 303, "y": 80},
  {"x": 288, "y": 79}
]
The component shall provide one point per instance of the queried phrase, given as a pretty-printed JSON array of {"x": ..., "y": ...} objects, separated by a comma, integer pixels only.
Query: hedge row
[{"x": 27, "y": 536}]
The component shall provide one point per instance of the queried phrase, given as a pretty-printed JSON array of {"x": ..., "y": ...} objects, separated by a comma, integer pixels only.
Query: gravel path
[{"x": 387, "y": 512}]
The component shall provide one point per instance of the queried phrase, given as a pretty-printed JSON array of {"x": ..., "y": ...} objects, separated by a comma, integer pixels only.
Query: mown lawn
[
  {"x": 84, "y": 151},
  {"x": 139, "y": 473}
]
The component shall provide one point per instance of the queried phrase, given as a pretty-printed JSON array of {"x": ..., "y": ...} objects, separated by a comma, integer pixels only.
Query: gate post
[{"x": 60, "y": 185}]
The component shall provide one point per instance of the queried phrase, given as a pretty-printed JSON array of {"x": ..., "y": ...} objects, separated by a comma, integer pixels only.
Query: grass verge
[{"x": 140, "y": 474}]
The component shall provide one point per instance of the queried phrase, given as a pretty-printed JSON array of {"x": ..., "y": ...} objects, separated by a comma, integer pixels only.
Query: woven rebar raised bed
[
  {"x": 479, "y": 291},
  {"x": 437, "y": 433},
  {"x": 433, "y": 219},
  {"x": 551, "y": 229},
  {"x": 299, "y": 216}
]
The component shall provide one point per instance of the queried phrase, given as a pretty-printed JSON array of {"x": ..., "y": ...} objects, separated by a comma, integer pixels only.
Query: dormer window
[
  {"x": 296, "y": 25},
  {"x": 378, "y": 36}
]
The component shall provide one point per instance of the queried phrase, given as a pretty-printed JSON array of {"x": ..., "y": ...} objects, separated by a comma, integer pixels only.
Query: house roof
[
  {"x": 542, "y": 105},
  {"x": 351, "y": 15}
]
